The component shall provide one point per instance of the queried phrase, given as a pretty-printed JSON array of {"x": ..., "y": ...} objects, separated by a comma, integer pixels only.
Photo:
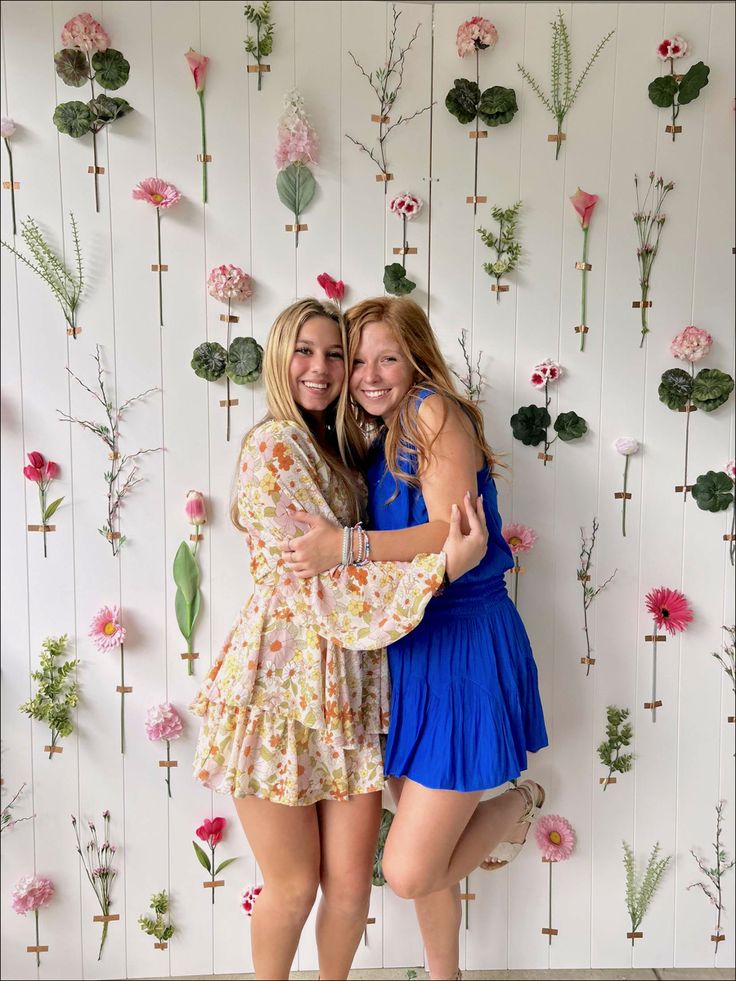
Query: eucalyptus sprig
[
  {"x": 57, "y": 692},
  {"x": 618, "y": 736},
  {"x": 262, "y": 47},
  {"x": 158, "y": 928},
  {"x": 639, "y": 895},
  {"x": 67, "y": 286},
  {"x": 508, "y": 250},
  {"x": 562, "y": 94},
  {"x": 713, "y": 888}
]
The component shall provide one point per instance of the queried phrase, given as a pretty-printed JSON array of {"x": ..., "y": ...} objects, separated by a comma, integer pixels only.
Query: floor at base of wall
[{"x": 401, "y": 974}]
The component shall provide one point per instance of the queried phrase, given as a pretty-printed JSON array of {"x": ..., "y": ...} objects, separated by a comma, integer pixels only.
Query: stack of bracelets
[{"x": 363, "y": 555}]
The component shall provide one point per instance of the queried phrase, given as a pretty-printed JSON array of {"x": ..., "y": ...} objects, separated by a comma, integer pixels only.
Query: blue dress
[{"x": 465, "y": 706}]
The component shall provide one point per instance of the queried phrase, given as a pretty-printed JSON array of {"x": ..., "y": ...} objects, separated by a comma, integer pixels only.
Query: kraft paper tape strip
[
  {"x": 583, "y": 265},
  {"x": 113, "y": 456},
  {"x": 95, "y": 170},
  {"x": 204, "y": 157},
  {"x": 549, "y": 931},
  {"x": 296, "y": 228},
  {"x": 477, "y": 199},
  {"x": 225, "y": 402},
  {"x": 162, "y": 268},
  {"x": 682, "y": 488},
  {"x": 229, "y": 318},
  {"x": 8, "y": 186},
  {"x": 673, "y": 129},
  {"x": 53, "y": 749},
  {"x": 653, "y": 705},
  {"x": 73, "y": 331},
  {"x": 607, "y": 780},
  {"x": 583, "y": 578},
  {"x": 621, "y": 496},
  {"x": 545, "y": 456},
  {"x": 581, "y": 329},
  {"x": 189, "y": 657},
  {"x": 729, "y": 538},
  {"x": 503, "y": 288},
  {"x": 370, "y": 921},
  {"x": 161, "y": 946},
  {"x": 411, "y": 251},
  {"x": 384, "y": 177},
  {"x": 478, "y": 134},
  {"x": 688, "y": 408},
  {"x": 124, "y": 689},
  {"x": 213, "y": 885},
  {"x": 635, "y": 936},
  {"x": 168, "y": 763},
  {"x": 196, "y": 538},
  {"x": 587, "y": 660},
  {"x": 375, "y": 118},
  {"x": 112, "y": 536},
  {"x": 467, "y": 895},
  {"x": 549, "y": 861},
  {"x": 41, "y": 949},
  {"x": 520, "y": 571},
  {"x": 718, "y": 937},
  {"x": 650, "y": 637},
  {"x": 107, "y": 918},
  {"x": 638, "y": 304},
  {"x": 41, "y": 527},
  {"x": 556, "y": 137},
  {"x": 255, "y": 69}
]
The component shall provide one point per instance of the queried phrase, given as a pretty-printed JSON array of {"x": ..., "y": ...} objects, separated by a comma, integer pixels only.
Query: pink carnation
[
  {"x": 248, "y": 899},
  {"x": 297, "y": 140},
  {"x": 555, "y": 837},
  {"x": 157, "y": 192},
  {"x": 106, "y": 629},
  {"x": 31, "y": 893},
  {"x": 672, "y": 47},
  {"x": 519, "y": 538},
  {"x": 475, "y": 34},
  {"x": 405, "y": 205},
  {"x": 163, "y": 722},
  {"x": 84, "y": 33},
  {"x": 545, "y": 372},
  {"x": 229, "y": 283},
  {"x": 691, "y": 344}
]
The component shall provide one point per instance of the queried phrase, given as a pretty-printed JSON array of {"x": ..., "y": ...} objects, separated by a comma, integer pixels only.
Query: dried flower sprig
[
  {"x": 386, "y": 83},
  {"x": 713, "y": 888},
  {"x": 618, "y": 736},
  {"x": 7, "y": 131},
  {"x": 639, "y": 895},
  {"x": 562, "y": 94},
  {"x": 7, "y": 820},
  {"x": 161, "y": 928},
  {"x": 97, "y": 863},
  {"x": 262, "y": 47},
  {"x": 508, "y": 250},
  {"x": 472, "y": 381},
  {"x": 67, "y": 287},
  {"x": 30, "y": 894},
  {"x": 57, "y": 691},
  {"x": 649, "y": 221},
  {"x": 122, "y": 467},
  {"x": 589, "y": 593}
]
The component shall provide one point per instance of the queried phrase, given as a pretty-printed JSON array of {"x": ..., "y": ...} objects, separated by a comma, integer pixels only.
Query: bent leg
[
  {"x": 348, "y": 835},
  {"x": 285, "y": 842}
]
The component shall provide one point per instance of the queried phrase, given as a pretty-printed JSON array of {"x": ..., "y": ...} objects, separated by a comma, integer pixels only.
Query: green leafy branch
[
  {"x": 508, "y": 250},
  {"x": 57, "y": 693},
  {"x": 639, "y": 895},
  {"x": 262, "y": 47},
  {"x": 618, "y": 736},
  {"x": 157, "y": 928}
]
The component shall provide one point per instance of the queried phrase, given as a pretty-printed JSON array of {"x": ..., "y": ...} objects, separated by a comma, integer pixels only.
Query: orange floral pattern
[{"x": 295, "y": 704}]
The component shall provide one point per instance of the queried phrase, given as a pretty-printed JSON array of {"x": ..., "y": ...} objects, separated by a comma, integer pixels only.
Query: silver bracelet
[{"x": 347, "y": 534}]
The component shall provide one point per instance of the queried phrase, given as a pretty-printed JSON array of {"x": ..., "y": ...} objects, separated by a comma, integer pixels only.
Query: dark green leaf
[
  {"x": 462, "y": 100},
  {"x": 71, "y": 67},
  {"x": 662, "y": 91},
  {"x": 529, "y": 424},
  {"x": 296, "y": 186},
  {"x": 569, "y": 426},
  {"x": 51, "y": 509},
  {"x": 244, "y": 360},
  {"x": 73, "y": 118},
  {"x": 111, "y": 69},
  {"x": 675, "y": 388},
  {"x": 497, "y": 105},
  {"x": 203, "y": 858},
  {"x": 713, "y": 491},
  {"x": 107, "y": 108},
  {"x": 186, "y": 572},
  {"x": 209, "y": 360},
  {"x": 695, "y": 79},
  {"x": 395, "y": 280},
  {"x": 224, "y": 865},
  {"x": 711, "y": 388}
]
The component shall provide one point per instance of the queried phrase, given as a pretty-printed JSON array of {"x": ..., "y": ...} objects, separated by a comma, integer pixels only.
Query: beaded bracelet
[
  {"x": 347, "y": 545},
  {"x": 365, "y": 555}
]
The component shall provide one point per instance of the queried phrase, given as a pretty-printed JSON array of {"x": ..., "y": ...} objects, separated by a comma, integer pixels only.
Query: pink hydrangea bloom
[
  {"x": 157, "y": 192},
  {"x": 106, "y": 629},
  {"x": 672, "y": 47},
  {"x": 248, "y": 899},
  {"x": 31, "y": 893},
  {"x": 163, "y": 722},
  {"x": 229, "y": 283},
  {"x": 545, "y": 372},
  {"x": 691, "y": 344},
  {"x": 519, "y": 538},
  {"x": 555, "y": 837},
  {"x": 85, "y": 33},
  {"x": 405, "y": 205},
  {"x": 475, "y": 34},
  {"x": 297, "y": 140}
]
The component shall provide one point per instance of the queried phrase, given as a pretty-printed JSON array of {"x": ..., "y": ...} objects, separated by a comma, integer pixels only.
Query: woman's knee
[
  {"x": 406, "y": 877},
  {"x": 349, "y": 893},
  {"x": 294, "y": 894}
]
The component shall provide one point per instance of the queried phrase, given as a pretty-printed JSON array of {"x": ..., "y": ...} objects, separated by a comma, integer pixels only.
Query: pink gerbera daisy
[
  {"x": 106, "y": 629},
  {"x": 555, "y": 837},
  {"x": 248, "y": 899},
  {"x": 519, "y": 538},
  {"x": 670, "y": 609},
  {"x": 157, "y": 192}
]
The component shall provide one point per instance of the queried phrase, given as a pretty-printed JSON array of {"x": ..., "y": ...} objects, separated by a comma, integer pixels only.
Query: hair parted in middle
[
  {"x": 345, "y": 449},
  {"x": 406, "y": 440}
]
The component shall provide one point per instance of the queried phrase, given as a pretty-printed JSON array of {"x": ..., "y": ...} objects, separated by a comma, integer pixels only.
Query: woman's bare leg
[
  {"x": 285, "y": 842},
  {"x": 348, "y": 834}
]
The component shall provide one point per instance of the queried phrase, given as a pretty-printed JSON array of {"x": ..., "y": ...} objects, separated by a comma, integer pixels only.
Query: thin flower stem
[
  {"x": 94, "y": 136},
  {"x": 122, "y": 698},
  {"x": 550, "y": 903},
  {"x": 623, "y": 515},
  {"x": 517, "y": 573},
  {"x": 42, "y": 499},
  {"x": 160, "y": 284},
  {"x": 258, "y": 50},
  {"x": 168, "y": 768},
  {"x": 476, "y": 141},
  {"x": 584, "y": 298},
  {"x": 212, "y": 852},
  {"x": 227, "y": 382},
  {"x": 404, "y": 244},
  {"x": 204, "y": 144},
  {"x": 687, "y": 435},
  {"x": 654, "y": 675},
  {"x": 547, "y": 444},
  {"x": 38, "y": 942},
  {"x": 12, "y": 184},
  {"x": 467, "y": 890}
]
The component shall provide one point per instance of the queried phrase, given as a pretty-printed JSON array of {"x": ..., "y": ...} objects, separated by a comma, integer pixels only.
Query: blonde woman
[
  {"x": 465, "y": 707},
  {"x": 294, "y": 708}
]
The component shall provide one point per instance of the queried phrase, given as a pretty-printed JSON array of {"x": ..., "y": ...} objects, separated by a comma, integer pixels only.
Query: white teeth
[
  {"x": 377, "y": 394},
  {"x": 316, "y": 386}
]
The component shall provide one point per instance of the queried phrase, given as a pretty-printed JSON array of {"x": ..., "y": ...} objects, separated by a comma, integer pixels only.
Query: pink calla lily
[
  {"x": 584, "y": 203},
  {"x": 198, "y": 66}
]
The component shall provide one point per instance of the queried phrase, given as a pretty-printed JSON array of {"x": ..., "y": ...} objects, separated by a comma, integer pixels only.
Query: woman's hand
[
  {"x": 464, "y": 552},
  {"x": 317, "y": 550}
]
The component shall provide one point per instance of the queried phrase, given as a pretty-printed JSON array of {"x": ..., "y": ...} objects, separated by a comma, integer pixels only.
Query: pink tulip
[
  {"x": 334, "y": 288},
  {"x": 584, "y": 203},
  {"x": 52, "y": 470},
  {"x": 198, "y": 66},
  {"x": 37, "y": 460},
  {"x": 211, "y": 831},
  {"x": 33, "y": 473},
  {"x": 194, "y": 508}
]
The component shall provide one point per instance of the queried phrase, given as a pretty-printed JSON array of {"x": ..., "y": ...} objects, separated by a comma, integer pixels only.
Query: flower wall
[{"x": 683, "y": 763}]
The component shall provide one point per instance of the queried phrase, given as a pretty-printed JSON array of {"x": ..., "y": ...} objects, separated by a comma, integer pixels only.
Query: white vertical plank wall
[{"x": 683, "y": 762}]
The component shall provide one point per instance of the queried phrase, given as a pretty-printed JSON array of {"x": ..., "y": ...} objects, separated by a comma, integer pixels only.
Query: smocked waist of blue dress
[{"x": 467, "y": 598}]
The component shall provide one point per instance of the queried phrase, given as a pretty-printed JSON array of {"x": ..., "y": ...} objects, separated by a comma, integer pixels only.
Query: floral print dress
[{"x": 294, "y": 706}]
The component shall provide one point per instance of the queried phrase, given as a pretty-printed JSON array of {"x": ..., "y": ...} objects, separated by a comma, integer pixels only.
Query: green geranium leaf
[
  {"x": 296, "y": 186},
  {"x": 529, "y": 424},
  {"x": 111, "y": 69},
  {"x": 462, "y": 100},
  {"x": 675, "y": 388},
  {"x": 73, "y": 118},
  {"x": 662, "y": 91},
  {"x": 695, "y": 79},
  {"x": 106, "y": 108},
  {"x": 713, "y": 491},
  {"x": 497, "y": 105},
  {"x": 71, "y": 67},
  {"x": 395, "y": 280},
  {"x": 244, "y": 361},
  {"x": 711, "y": 388},
  {"x": 569, "y": 425},
  {"x": 209, "y": 361}
]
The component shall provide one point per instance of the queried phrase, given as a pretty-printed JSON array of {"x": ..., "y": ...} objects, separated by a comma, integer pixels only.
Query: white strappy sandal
[{"x": 506, "y": 851}]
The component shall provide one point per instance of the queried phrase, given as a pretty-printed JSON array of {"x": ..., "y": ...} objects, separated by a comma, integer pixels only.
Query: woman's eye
[
  {"x": 357, "y": 361},
  {"x": 390, "y": 360},
  {"x": 336, "y": 354},
  {"x": 303, "y": 350}
]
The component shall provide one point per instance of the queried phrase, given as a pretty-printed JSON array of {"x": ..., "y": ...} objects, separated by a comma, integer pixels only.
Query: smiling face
[
  {"x": 381, "y": 373},
  {"x": 317, "y": 366}
]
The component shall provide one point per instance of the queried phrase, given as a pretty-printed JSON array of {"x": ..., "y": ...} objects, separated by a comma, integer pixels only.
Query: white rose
[{"x": 626, "y": 445}]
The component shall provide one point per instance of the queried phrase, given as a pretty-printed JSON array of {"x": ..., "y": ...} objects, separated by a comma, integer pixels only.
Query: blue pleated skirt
[{"x": 465, "y": 706}]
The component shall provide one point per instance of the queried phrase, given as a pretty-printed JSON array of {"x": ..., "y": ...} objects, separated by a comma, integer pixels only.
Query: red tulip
[
  {"x": 584, "y": 203},
  {"x": 211, "y": 831},
  {"x": 37, "y": 460},
  {"x": 32, "y": 473},
  {"x": 335, "y": 289},
  {"x": 52, "y": 470}
]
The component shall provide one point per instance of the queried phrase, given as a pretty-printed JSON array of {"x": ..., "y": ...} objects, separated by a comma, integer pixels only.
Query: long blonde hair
[
  {"x": 346, "y": 450},
  {"x": 406, "y": 438}
]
